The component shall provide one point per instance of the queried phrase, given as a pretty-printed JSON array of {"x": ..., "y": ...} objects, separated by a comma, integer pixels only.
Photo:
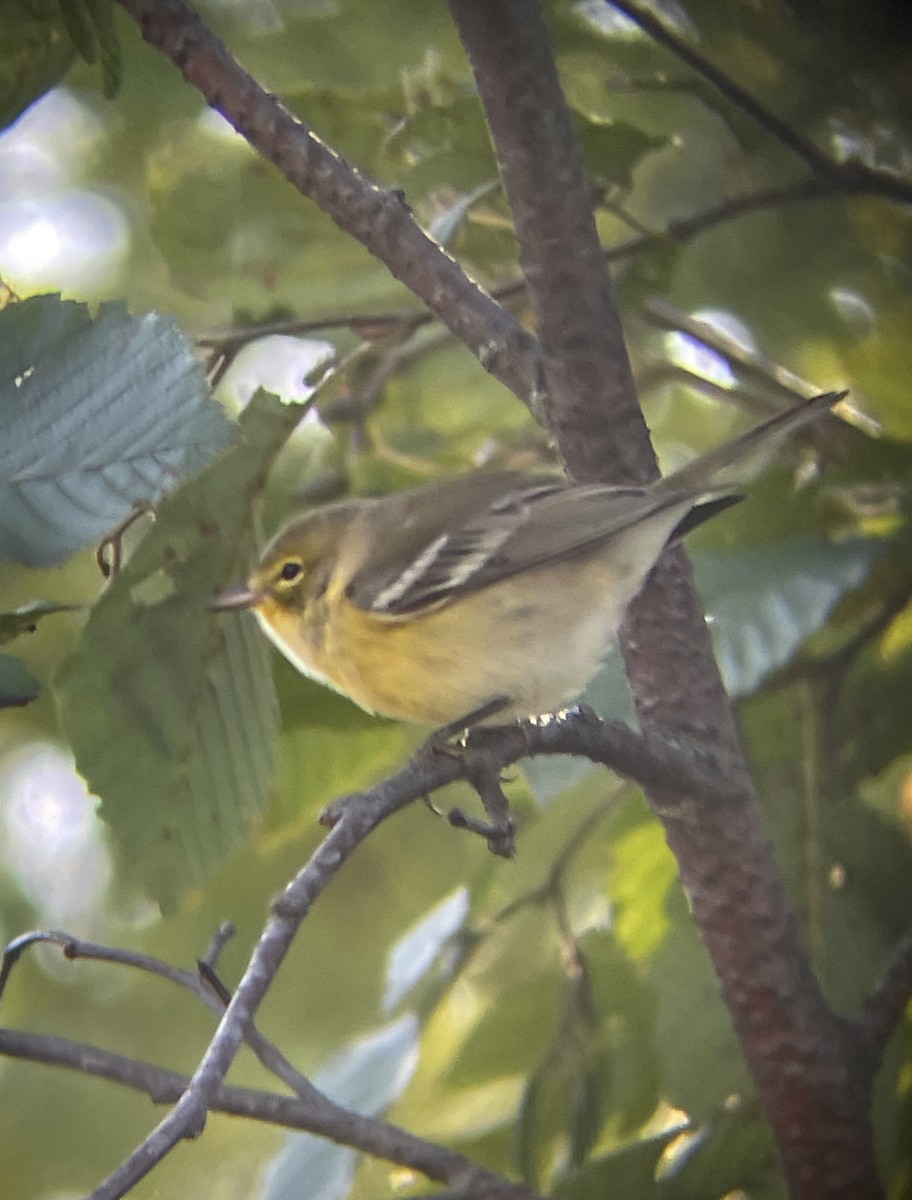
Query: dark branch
[
  {"x": 592, "y": 410},
  {"x": 883, "y": 1009},
  {"x": 726, "y": 86},
  {"x": 195, "y": 982},
  {"x": 847, "y": 177},
  {"x": 315, "y": 1114},
  {"x": 378, "y": 218},
  {"x": 797, "y": 1048}
]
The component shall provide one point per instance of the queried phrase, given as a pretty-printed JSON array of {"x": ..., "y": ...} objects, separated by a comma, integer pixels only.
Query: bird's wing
[{"x": 524, "y": 524}]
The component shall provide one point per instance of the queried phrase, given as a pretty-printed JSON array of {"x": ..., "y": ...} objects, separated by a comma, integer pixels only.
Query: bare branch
[
  {"x": 378, "y": 218},
  {"x": 199, "y": 983},
  {"x": 884, "y": 1007},
  {"x": 732, "y": 91},
  {"x": 592, "y": 410},
  {"x": 799, "y": 1051},
  {"x": 314, "y": 1114},
  {"x": 848, "y": 177},
  {"x": 187, "y": 1118}
]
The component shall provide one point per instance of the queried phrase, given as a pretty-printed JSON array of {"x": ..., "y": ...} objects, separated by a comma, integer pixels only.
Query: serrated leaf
[
  {"x": 26, "y": 617},
  {"x": 97, "y": 416},
  {"x": 170, "y": 709},
  {"x": 18, "y": 686},
  {"x": 366, "y": 1077},
  {"x": 764, "y": 601}
]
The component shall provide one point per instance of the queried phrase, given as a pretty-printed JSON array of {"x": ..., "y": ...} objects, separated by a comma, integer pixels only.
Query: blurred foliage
[{"x": 571, "y": 1028}]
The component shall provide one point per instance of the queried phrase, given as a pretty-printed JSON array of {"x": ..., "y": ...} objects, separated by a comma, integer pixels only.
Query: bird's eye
[{"x": 290, "y": 571}]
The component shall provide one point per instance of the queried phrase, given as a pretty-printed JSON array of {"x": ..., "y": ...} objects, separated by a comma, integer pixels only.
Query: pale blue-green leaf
[
  {"x": 733, "y": 1153},
  {"x": 170, "y": 708},
  {"x": 416, "y": 951},
  {"x": 764, "y": 601},
  {"x": 366, "y": 1078},
  {"x": 608, "y": 695},
  {"x": 98, "y": 416},
  {"x": 18, "y": 686},
  {"x": 445, "y": 226}
]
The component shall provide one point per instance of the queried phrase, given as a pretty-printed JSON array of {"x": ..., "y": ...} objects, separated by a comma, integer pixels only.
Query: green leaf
[
  {"x": 626, "y": 1006},
  {"x": 613, "y": 149},
  {"x": 764, "y": 601},
  {"x": 733, "y": 1152},
  {"x": 512, "y": 1033},
  {"x": 97, "y": 416},
  {"x": 870, "y": 727},
  {"x": 25, "y": 618},
  {"x": 102, "y": 14},
  {"x": 701, "y": 1060},
  {"x": 18, "y": 686},
  {"x": 170, "y": 709},
  {"x": 35, "y": 54},
  {"x": 629, "y": 1173},
  {"x": 79, "y": 27},
  {"x": 444, "y": 145}
]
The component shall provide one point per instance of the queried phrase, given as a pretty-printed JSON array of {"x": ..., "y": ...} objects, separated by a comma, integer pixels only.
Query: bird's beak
[{"x": 236, "y": 597}]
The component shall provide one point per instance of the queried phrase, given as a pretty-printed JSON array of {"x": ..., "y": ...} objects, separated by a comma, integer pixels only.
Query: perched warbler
[{"x": 490, "y": 590}]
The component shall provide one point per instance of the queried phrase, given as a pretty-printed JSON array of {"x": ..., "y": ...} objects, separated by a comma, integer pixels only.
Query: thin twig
[
  {"x": 314, "y": 1114},
  {"x": 201, "y": 987},
  {"x": 850, "y": 176},
  {"x": 742, "y": 99},
  {"x": 378, "y": 218},
  {"x": 883, "y": 1009}
]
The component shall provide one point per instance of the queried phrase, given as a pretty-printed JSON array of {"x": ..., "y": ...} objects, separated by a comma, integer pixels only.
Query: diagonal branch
[
  {"x": 848, "y": 176},
  {"x": 315, "y": 1113},
  {"x": 884, "y": 1007},
  {"x": 75, "y": 948},
  {"x": 801, "y": 1055},
  {"x": 378, "y": 218},
  {"x": 742, "y": 99}
]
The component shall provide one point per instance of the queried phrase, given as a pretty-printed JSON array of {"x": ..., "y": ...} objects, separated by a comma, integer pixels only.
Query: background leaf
[
  {"x": 764, "y": 601},
  {"x": 18, "y": 686},
  {"x": 366, "y": 1077},
  {"x": 170, "y": 709}
]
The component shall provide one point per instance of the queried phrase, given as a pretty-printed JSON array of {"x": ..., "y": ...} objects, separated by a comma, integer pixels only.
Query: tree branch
[
  {"x": 848, "y": 176},
  {"x": 799, "y": 1052},
  {"x": 884, "y": 1007},
  {"x": 378, "y": 218},
  {"x": 592, "y": 412},
  {"x": 74, "y": 948},
  {"x": 315, "y": 1114}
]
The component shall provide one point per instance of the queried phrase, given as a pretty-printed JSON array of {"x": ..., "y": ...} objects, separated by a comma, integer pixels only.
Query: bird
[{"x": 489, "y": 597}]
